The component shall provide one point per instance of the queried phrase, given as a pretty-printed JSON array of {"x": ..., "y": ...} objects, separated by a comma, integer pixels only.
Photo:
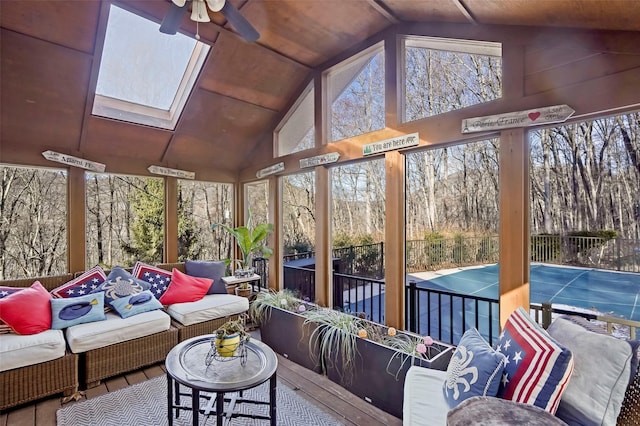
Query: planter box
[
  {"x": 286, "y": 333},
  {"x": 377, "y": 380}
]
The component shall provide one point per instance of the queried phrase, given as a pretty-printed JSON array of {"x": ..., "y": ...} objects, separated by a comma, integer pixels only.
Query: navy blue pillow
[
  {"x": 214, "y": 270},
  {"x": 475, "y": 369},
  {"x": 120, "y": 283}
]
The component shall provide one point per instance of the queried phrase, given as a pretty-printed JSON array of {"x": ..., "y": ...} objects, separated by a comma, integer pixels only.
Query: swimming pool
[{"x": 609, "y": 292}]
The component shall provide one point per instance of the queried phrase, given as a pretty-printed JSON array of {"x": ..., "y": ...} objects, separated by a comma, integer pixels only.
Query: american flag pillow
[
  {"x": 4, "y": 292},
  {"x": 537, "y": 367},
  {"x": 157, "y": 278},
  {"x": 84, "y": 284}
]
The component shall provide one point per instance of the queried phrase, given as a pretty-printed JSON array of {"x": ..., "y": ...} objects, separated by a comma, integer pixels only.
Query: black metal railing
[
  {"x": 446, "y": 315},
  {"x": 301, "y": 281},
  {"x": 363, "y": 261},
  {"x": 359, "y": 296},
  {"x": 261, "y": 266}
]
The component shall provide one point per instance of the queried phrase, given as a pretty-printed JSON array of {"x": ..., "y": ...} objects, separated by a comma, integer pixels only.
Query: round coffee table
[{"x": 186, "y": 365}]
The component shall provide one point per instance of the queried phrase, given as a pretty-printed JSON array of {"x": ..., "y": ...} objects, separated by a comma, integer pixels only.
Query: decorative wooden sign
[
  {"x": 279, "y": 167},
  {"x": 74, "y": 161},
  {"x": 400, "y": 142},
  {"x": 164, "y": 171},
  {"x": 545, "y": 115},
  {"x": 319, "y": 160}
]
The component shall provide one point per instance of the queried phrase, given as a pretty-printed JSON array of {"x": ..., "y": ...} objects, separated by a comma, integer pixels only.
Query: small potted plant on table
[{"x": 229, "y": 336}]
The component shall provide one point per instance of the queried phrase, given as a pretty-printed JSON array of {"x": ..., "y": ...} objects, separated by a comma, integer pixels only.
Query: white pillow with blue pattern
[
  {"x": 136, "y": 304},
  {"x": 77, "y": 310},
  {"x": 475, "y": 369}
]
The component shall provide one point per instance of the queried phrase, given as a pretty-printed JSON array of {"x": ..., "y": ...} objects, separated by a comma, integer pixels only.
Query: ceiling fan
[{"x": 171, "y": 21}]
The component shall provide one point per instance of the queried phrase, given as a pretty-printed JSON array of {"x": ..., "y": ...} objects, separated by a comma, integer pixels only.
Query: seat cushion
[
  {"x": 210, "y": 307},
  {"x": 18, "y": 351},
  {"x": 424, "y": 402},
  {"x": 86, "y": 337}
]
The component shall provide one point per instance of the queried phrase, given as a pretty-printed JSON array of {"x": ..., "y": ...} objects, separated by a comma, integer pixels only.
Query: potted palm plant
[{"x": 251, "y": 240}]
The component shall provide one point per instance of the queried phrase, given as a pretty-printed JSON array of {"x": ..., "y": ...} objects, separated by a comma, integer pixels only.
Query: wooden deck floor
[{"x": 320, "y": 391}]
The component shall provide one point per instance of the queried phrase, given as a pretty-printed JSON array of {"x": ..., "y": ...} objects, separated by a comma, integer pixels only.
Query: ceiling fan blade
[
  {"x": 235, "y": 18},
  {"x": 171, "y": 21}
]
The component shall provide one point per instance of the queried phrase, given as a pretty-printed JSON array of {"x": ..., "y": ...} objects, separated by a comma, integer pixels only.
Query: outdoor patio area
[{"x": 318, "y": 390}]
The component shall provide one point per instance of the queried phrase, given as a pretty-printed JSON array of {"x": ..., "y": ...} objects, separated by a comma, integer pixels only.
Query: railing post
[
  {"x": 411, "y": 307},
  {"x": 546, "y": 315}
]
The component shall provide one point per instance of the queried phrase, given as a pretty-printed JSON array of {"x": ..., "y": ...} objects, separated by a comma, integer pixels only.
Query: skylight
[{"x": 145, "y": 76}]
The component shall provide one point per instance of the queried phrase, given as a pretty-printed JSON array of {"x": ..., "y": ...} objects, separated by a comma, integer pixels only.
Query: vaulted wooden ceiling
[{"x": 50, "y": 53}]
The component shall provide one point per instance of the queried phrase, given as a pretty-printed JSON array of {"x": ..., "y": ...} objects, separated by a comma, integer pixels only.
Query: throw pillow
[
  {"x": 136, "y": 304},
  {"x": 77, "y": 310},
  {"x": 600, "y": 377},
  {"x": 475, "y": 369},
  {"x": 4, "y": 292},
  {"x": 157, "y": 278},
  {"x": 84, "y": 284},
  {"x": 185, "y": 288},
  {"x": 214, "y": 270},
  {"x": 538, "y": 367},
  {"x": 33, "y": 300},
  {"x": 120, "y": 283}
]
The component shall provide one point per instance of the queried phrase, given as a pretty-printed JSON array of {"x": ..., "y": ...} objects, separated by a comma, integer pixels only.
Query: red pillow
[
  {"x": 27, "y": 311},
  {"x": 185, "y": 288}
]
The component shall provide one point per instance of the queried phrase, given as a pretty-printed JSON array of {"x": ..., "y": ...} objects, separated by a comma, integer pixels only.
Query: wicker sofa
[
  {"x": 603, "y": 386},
  {"x": 71, "y": 371}
]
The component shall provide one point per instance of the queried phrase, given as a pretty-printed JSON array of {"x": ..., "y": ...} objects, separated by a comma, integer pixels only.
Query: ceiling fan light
[
  {"x": 216, "y": 5},
  {"x": 199, "y": 11},
  {"x": 179, "y": 3}
]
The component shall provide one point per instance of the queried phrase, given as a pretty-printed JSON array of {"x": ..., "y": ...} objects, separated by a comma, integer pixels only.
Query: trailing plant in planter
[
  {"x": 371, "y": 360},
  {"x": 281, "y": 316},
  {"x": 251, "y": 240}
]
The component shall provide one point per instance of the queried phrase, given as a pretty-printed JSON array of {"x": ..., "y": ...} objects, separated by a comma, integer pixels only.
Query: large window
[
  {"x": 452, "y": 222},
  {"x": 443, "y": 75},
  {"x": 201, "y": 204},
  {"x": 125, "y": 219},
  {"x": 355, "y": 95},
  {"x": 298, "y": 213},
  {"x": 296, "y": 132},
  {"x": 33, "y": 222}
]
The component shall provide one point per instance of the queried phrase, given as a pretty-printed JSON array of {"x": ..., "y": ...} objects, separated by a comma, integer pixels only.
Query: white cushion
[
  {"x": 94, "y": 335},
  {"x": 424, "y": 402},
  {"x": 211, "y": 306},
  {"x": 21, "y": 350}
]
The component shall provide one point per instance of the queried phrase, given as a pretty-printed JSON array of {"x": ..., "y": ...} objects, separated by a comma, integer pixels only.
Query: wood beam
[
  {"x": 514, "y": 222},
  {"x": 465, "y": 11},
  {"x": 76, "y": 220},
  {"x": 324, "y": 260},
  {"x": 394, "y": 255},
  {"x": 275, "y": 217},
  {"x": 171, "y": 220}
]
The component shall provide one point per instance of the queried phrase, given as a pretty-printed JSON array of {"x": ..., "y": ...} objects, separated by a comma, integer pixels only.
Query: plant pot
[
  {"x": 243, "y": 292},
  {"x": 378, "y": 372},
  {"x": 286, "y": 333},
  {"x": 228, "y": 345},
  {"x": 231, "y": 288}
]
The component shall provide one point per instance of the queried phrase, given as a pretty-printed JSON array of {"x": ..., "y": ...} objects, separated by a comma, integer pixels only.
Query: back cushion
[{"x": 538, "y": 367}]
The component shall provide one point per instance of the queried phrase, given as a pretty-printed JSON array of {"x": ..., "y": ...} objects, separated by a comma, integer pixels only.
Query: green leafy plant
[{"x": 251, "y": 240}]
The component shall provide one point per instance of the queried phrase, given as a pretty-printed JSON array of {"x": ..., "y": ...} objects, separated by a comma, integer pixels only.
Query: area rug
[{"x": 145, "y": 404}]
